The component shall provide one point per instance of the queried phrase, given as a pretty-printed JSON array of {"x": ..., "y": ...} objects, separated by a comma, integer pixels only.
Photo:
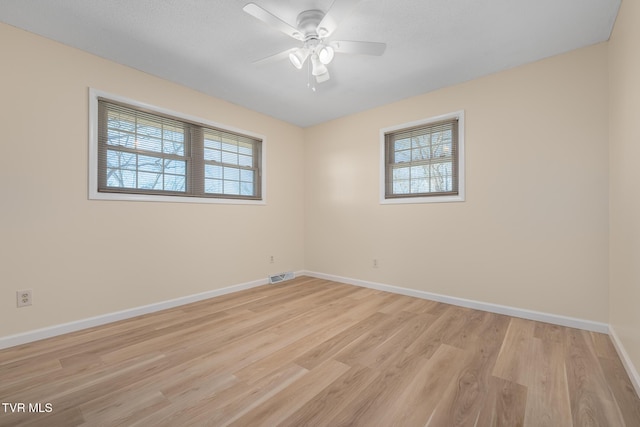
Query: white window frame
[
  {"x": 460, "y": 197},
  {"x": 94, "y": 194}
]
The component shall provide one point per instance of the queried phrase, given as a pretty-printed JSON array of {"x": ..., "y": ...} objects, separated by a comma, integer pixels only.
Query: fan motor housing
[{"x": 308, "y": 21}]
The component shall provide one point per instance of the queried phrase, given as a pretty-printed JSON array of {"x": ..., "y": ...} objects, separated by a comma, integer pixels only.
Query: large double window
[
  {"x": 145, "y": 154},
  {"x": 423, "y": 161}
]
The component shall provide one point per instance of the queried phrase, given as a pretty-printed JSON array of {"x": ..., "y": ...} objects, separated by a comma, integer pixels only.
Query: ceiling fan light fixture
[
  {"x": 317, "y": 67},
  {"x": 325, "y": 54},
  {"x": 297, "y": 57},
  {"x": 322, "y": 77}
]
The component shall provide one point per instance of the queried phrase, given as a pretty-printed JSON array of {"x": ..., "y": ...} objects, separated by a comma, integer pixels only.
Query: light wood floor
[{"x": 310, "y": 352}]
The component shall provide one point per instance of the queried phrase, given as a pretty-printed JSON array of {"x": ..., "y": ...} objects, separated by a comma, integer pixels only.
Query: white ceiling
[{"x": 210, "y": 45}]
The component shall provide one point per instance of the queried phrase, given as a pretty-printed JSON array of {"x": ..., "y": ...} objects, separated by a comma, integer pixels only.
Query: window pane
[
  {"x": 174, "y": 183},
  {"x": 246, "y": 176},
  {"x": 419, "y": 186},
  {"x": 213, "y": 186},
  {"x": 213, "y": 155},
  {"x": 123, "y": 139},
  {"x": 401, "y": 187},
  {"x": 211, "y": 171},
  {"x": 229, "y": 142},
  {"x": 245, "y": 161},
  {"x": 148, "y": 143},
  {"x": 442, "y": 137},
  {"x": 232, "y": 187},
  {"x": 420, "y": 154},
  {"x": 173, "y": 134},
  {"x": 150, "y": 164},
  {"x": 401, "y": 173},
  {"x": 121, "y": 160},
  {"x": 419, "y": 171},
  {"x": 150, "y": 181},
  {"x": 232, "y": 174},
  {"x": 229, "y": 145},
  {"x": 121, "y": 178},
  {"x": 441, "y": 150},
  {"x": 402, "y": 144},
  {"x": 441, "y": 177},
  {"x": 229, "y": 158},
  {"x": 420, "y": 141},
  {"x": 121, "y": 120},
  {"x": 441, "y": 169},
  {"x": 246, "y": 149},
  {"x": 403, "y": 156},
  {"x": 170, "y": 147},
  {"x": 246, "y": 189},
  {"x": 210, "y": 142},
  {"x": 149, "y": 128},
  {"x": 177, "y": 167}
]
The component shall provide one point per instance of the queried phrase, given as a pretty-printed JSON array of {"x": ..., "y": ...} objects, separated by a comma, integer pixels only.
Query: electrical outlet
[
  {"x": 375, "y": 263},
  {"x": 23, "y": 298},
  {"x": 272, "y": 259}
]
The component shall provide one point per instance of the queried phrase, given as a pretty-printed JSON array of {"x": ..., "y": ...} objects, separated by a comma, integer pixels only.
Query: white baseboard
[
  {"x": 626, "y": 360},
  {"x": 478, "y": 305},
  {"x": 48, "y": 332},
  {"x": 39, "y": 334}
]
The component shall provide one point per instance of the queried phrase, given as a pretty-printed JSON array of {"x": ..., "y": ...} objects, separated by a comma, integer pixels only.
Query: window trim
[
  {"x": 94, "y": 194},
  {"x": 460, "y": 197}
]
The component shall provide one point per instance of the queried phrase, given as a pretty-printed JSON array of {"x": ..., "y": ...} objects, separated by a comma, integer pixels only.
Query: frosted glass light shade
[{"x": 326, "y": 54}]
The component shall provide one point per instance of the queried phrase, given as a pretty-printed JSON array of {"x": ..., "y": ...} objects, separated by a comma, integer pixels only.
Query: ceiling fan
[{"x": 313, "y": 28}]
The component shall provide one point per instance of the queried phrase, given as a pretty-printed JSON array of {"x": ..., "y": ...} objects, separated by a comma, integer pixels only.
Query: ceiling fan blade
[
  {"x": 272, "y": 20},
  {"x": 362, "y": 48},
  {"x": 338, "y": 10},
  {"x": 276, "y": 57}
]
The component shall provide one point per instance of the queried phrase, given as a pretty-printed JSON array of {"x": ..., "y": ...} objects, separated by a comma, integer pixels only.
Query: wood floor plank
[
  {"x": 463, "y": 400},
  {"x": 226, "y": 405},
  {"x": 434, "y": 374},
  {"x": 334, "y": 345},
  {"x": 622, "y": 389},
  {"x": 445, "y": 329},
  {"x": 366, "y": 408},
  {"x": 312, "y": 339},
  {"x": 592, "y": 402},
  {"x": 399, "y": 342},
  {"x": 272, "y": 412},
  {"x": 603, "y": 346},
  {"x": 333, "y": 399},
  {"x": 504, "y": 406},
  {"x": 517, "y": 352},
  {"x": 130, "y": 407},
  {"x": 362, "y": 347},
  {"x": 312, "y": 352},
  {"x": 548, "y": 403}
]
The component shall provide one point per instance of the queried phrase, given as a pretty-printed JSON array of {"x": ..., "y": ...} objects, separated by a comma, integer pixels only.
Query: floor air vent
[{"x": 277, "y": 278}]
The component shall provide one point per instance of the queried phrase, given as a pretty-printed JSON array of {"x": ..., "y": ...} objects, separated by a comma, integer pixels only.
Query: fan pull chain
[{"x": 310, "y": 85}]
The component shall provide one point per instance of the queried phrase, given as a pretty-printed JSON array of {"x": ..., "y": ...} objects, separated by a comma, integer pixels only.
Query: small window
[
  {"x": 423, "y": 161},
  {"x": 144, "y": 154}
]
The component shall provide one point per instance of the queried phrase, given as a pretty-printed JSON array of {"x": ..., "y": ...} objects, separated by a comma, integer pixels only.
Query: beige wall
[
  {"x": 625, "y": 179},
  {"x": 533, "y": 232},
  {"x": 58, "y": 243}
]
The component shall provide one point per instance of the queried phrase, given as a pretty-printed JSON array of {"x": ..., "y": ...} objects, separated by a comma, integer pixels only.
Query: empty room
[{"x": 320, "y": 213}]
